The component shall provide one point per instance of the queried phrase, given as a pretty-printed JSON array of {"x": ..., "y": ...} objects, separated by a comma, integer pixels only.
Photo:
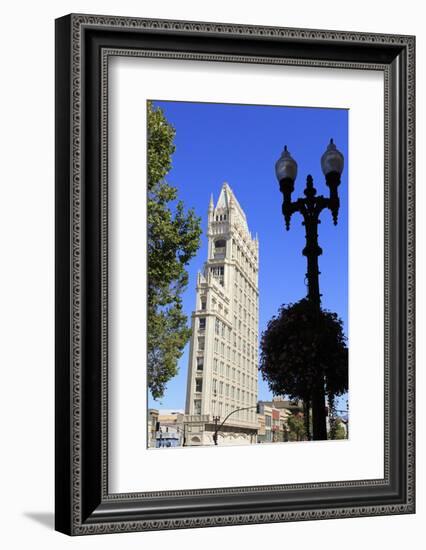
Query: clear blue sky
[{"x": 240, "y": 144}]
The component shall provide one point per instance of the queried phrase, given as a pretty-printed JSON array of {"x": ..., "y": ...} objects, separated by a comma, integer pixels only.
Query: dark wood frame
[{"x": 83, "y": 45}]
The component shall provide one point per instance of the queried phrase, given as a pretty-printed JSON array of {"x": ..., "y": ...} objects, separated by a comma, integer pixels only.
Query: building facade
[
  {"x": 152, "y": 427},
  {"x": 273, "y": 420},
  {"x": 171, "y": 428},
  {"x": 223, "y": 357}
]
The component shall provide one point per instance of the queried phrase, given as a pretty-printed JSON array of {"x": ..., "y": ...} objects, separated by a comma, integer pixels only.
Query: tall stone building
[{"x": 223, "y": 357}]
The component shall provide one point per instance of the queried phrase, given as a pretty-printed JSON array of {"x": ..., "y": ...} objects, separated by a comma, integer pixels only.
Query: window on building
[
  {"x": 201, "y": 343},
  {"x": 215, "y": 365},
  {"x": 214, "y": 386},
  {"x": 198, "y": 385},
  {"x": 217, "y": 326},
  {"x": 197, "y": 406},
  {"x": 200, "y": 363},
  {"x": 219, "y": 249},
  {"x": 218, "y": 273},
  {"x": 203, "y": 304},
  {"x": 202, "y": 323}
]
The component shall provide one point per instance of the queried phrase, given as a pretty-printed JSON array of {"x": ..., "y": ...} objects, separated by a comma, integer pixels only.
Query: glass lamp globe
[
  {"x": 286, "y": 166},
  {"x": 332, "y": 160}
]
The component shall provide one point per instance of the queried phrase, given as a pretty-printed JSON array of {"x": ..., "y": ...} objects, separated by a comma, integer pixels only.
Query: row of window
[
  {"x": 242, "y": 311},
  {"x": 233, "y": 373},
  {"x": 244, "y": 331},
  {"x": 220, "y": 308},
  {"x": 244, "y": 355},
  {"x": 251, "y": 309},
  {"x": 228, "y": 390},
  {"x": 243, "y": 320},
  {"x": 221, "y": 329},
  {"x": 243, "y": 256},
  {"x": 223, "y": 409},
  {"x": 241, "y": 378},
  {"x": 244, "y": 300},
  {"x": 245, "y": 274}
]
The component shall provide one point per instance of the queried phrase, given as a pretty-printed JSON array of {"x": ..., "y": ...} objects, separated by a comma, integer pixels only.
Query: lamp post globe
[
  {"x": 286, "y": 167},
  {"x": 332, "y": 161}
]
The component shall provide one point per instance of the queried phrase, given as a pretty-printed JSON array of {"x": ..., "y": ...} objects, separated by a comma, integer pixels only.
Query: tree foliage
[
  {"x": 173, "y": 239},
  {"x": 301, "y": 344},
  {"x": 296, "y": 427},
  {"x": 337, "y": 430}
]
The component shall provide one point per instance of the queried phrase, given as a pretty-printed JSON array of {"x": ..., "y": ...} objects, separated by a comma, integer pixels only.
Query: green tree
[
  {"x": 296, "y": 427},
  {"x": 337, "y": 430},
  {"x": 299, "y": 346},
  {"x": 173, "y": 239}
]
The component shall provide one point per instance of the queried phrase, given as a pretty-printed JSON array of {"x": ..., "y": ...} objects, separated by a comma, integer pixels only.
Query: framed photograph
[{"x": 234, "y": 274}]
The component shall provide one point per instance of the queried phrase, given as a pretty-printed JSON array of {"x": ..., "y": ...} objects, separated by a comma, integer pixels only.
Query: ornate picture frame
[{"x": 84, "y": 44}]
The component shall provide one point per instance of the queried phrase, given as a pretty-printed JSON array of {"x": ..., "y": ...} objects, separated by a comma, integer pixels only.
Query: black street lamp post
[
  {"x": 310, "y": 207},
  {"x": 216, "y": 420}
]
